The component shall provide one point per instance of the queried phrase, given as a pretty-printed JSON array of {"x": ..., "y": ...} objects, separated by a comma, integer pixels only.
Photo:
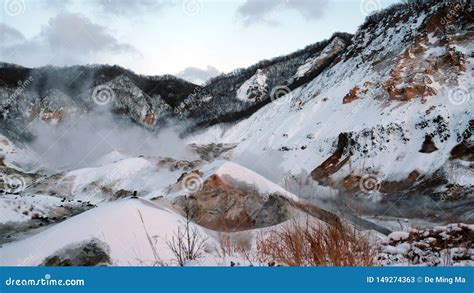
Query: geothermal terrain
[{"x": 371, "y": 132}]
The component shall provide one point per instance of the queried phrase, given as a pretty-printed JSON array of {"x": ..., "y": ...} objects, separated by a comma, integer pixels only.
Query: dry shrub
[
  {"x": 187, "y": 243},
  {"x": 157, "y": 259},
  {"x": 234, "y": 243},
  {"x": 312, "y": 244}
]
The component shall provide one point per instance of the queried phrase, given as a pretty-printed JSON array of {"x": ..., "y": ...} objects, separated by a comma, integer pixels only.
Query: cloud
[
  {"x": 268, "y": 11},
  {"x": 135, "y": 7},
  {"x": 68, "y": 38},
  {"x": 55, "y": 4},
  {"x": 9, "y": 35},
  {"x": 198, "y": 75}
]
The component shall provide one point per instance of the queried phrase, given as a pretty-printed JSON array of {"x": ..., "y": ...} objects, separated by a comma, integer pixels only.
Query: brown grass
[
  {"x": 234, "y": 243},
  {"x": 311, "y": 244}
]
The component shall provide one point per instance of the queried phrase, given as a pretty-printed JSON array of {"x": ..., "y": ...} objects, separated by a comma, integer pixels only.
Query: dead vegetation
[
  {"x": 314, "y": 244},
  {"x": 187, "y": 243}
]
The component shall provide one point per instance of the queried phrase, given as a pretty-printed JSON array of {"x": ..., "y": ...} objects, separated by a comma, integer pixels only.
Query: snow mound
[
  {"x": 398, "y": 236},
  {"x": 119, "y": 224},
  {"x": 239, "y": 173}
]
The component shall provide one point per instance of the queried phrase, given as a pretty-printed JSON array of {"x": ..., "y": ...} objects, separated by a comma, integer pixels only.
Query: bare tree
[{"x": 187, "y": 243}]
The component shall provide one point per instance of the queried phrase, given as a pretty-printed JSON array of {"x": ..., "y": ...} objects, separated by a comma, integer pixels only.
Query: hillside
[{"x": 371, "y": 131}]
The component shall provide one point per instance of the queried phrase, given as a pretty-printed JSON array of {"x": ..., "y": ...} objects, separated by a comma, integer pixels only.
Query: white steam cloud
[{"x": 82, "y": 141}]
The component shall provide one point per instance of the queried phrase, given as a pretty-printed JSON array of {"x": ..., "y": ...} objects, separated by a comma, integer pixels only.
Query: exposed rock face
[
  {"x": 224, "y": 206},
  {"x": 255, "y": 89},
  {"x": 334, "y": 162},
  {"x": 92, "y": 253},
  {"x": 463, "y": 151},
  {"x": 213, "y": 151},
  {"x": 173, "y": 164},
  {"x": 351, "y": 96},
  {"x": 27, "y": 94},
  {"x": 428, "y": 145},
  {"x": 315, "y": 65},
  {"x": 390, "y": 187}
]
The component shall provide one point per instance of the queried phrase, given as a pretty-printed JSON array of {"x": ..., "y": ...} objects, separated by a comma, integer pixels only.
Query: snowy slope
[
  {"x": 235, "y": 174},
  {"x": 387, "y": 111},
  {"x": 386, "y": 128},
  {"x": 118, "y": 224},
  {"x": 253, "y": 89}
]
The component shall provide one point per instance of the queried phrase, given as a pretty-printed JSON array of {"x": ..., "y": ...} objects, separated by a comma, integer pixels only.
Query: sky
[{"x": 193, "y": 39}]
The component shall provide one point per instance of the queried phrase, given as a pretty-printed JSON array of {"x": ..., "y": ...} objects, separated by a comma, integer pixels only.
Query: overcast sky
[{"x": 193, "y": 39}]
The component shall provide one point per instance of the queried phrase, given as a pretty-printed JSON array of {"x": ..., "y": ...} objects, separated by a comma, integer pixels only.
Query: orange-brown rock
[
  {"x": 463, "y": 151},
  {"x": 396, "y": 186},
  {"x": 350, "y": 183},
  {"x": 351, "y": 96},
  {"x": 428, "y": 145},
  {"x": 334, "y": 163},
  {"x": 149, "y": 119}
]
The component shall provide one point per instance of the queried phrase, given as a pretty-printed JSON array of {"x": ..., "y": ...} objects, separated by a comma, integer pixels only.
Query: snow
[
  {"x": 235, "y": 174},
  {"x": 254, "y": 87},
  {"x": 244, "y": 175},
  {"x": 276, "y": 125},
  {"x": 399, "y": 236},
  {"x": 116, "y": 223},
  {"x": 336, "y": 45},
  {"x": 14, "y": 208},
  {"x": 117, "y": 172},
  {"x": 290, "y": 137}
]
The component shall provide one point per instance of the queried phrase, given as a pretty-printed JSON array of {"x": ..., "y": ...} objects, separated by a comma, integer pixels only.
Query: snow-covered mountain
[{"x": 371, "y": 129}]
